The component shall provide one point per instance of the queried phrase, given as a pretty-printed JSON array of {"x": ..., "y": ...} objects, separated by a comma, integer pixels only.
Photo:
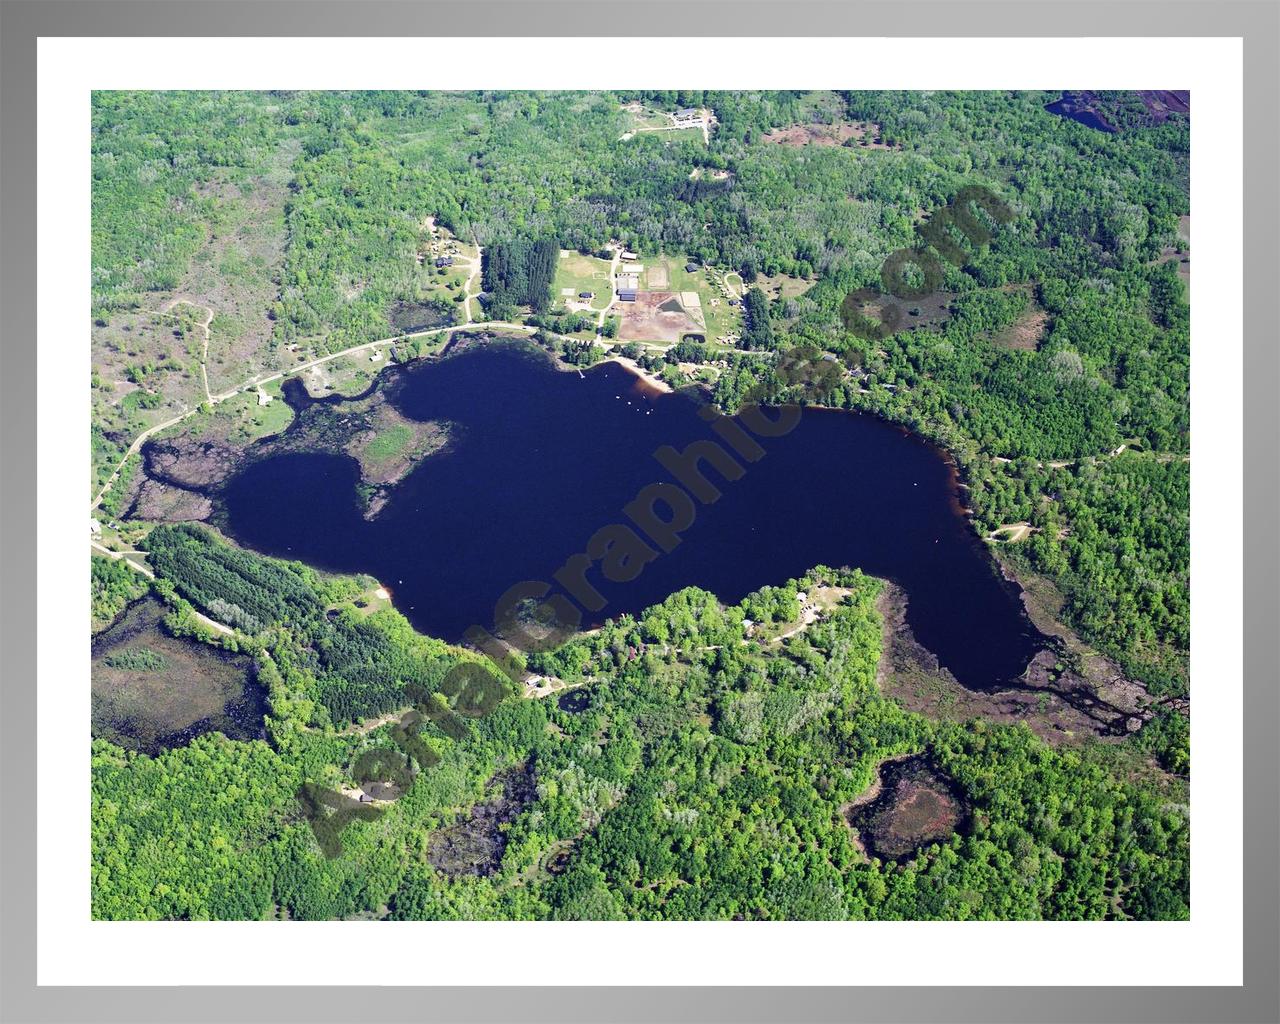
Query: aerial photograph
[{"x": 672, "y": 505}]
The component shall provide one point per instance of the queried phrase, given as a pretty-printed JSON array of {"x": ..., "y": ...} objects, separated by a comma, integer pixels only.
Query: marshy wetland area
[
  {"x": 911, "y": 805},
  {"x": 549, "y": 506},
  {"x": 153, "y": 690}
]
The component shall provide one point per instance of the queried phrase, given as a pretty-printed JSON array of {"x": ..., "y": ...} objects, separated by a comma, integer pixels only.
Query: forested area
[
  {"x": 154, "y": 154},
  {"x": 361, "y": 664},
  {"x": 757, "y": 331},
  {"x": 519, "y": 273},
  {"x": 1117, "y": 538},
  {"x": 112, "y": 586},
  {"x": 703, "y": 775}
]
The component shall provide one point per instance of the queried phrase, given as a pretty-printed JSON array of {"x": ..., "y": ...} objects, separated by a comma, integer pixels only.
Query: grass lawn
[
  {"x": 646, "y": 118},
  {"x": 681, "y": 135},
  {"x": 582, "y": 274},
  {"x": 369, "y": 602},
  {"x": 346, "y": 375},
  {"x": 240, "y": 418},
  {"x": 432, "y": 284}
]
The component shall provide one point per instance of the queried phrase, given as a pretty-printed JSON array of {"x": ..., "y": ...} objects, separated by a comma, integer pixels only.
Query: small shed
[
  {"x": 691, "y": 267},
  {"x": 586, "y": 295}
]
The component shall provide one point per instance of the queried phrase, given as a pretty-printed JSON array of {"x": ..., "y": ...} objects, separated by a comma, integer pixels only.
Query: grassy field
[
  {"x": 681, "y": 135},
  {"x": 239, "y": 420},
  {"x": 392, "y": 445},
  {"x": 780, "y": 286},
  {"x": 1028, "y": 330},
  {"x": 442, "y": 282},
  {"x": 389, "y": 443},
  {"x": 369, "y": 602},
  {"x": 642, "y": 118},
  {"x": 346, "y": 375},
  {"x": 252, "y": 420},
  {"x": 581, "y": 274},
  {"x": 235, "y": 271},
  {"x": 146, "y": 363}
]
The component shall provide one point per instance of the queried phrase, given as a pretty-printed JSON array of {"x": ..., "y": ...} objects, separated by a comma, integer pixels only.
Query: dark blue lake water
[{"x": 541, "y": 459}]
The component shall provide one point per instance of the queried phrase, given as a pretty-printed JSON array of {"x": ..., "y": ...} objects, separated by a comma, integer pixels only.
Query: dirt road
[
  {"x": 260, "y": 379},
  {"x": 167, "y": 310},
  {"x": 467, "y": 293},
  {"x": 613, "y": 287},
  {"x": 146, "y": 571}
]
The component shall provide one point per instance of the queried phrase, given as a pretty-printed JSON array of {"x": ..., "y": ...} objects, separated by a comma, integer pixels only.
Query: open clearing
[
  {"x": 643, "y": 119},
  {"x": 236, "y": 272},
  {"x": 146, "y": 370},
  {"x": 147, "y": 361},
  {"x": 932, "y": 310},
  {"x": 781, "y": 286},
  {"x": 1182, "y": 252},
  {"x": 576, "y": 273},
  {"x": 864, "y": 134},
  {"x": 449, "y": 283},
  {"x": 1028, "y": 331}
]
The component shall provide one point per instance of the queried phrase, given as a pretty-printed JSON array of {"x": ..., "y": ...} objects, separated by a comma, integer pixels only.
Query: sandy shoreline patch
[{"x": 652, "y": 379}]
